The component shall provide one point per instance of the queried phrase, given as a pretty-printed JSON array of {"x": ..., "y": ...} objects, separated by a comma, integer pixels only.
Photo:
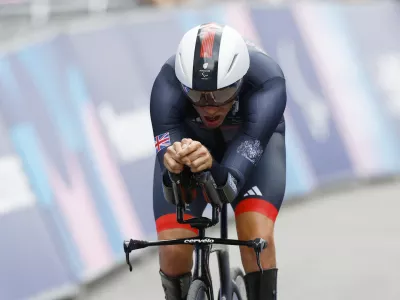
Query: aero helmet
[{"x": 210, "y": 63}]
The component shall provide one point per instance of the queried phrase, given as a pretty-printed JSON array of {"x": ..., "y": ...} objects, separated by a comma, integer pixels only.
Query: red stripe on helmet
[{"x": 207, "y": 44}]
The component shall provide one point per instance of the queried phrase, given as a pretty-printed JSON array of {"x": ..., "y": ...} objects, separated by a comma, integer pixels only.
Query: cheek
[
  {"x": 225, "y": 111},
  {"x": 199, "y": 110},
  {"x": 228, "y": 108}
]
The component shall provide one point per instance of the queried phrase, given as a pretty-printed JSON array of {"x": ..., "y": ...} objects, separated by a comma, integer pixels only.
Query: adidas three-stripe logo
[{"x": 253, "y": 191}]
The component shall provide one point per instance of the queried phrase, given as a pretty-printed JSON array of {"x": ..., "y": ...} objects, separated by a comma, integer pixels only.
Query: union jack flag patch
[{"x": 162, "y": 141}]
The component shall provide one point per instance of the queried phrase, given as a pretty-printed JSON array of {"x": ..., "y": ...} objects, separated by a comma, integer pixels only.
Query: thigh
[
  {"x": 263, "y": 192},
  {"x": 165, "y": 212}
]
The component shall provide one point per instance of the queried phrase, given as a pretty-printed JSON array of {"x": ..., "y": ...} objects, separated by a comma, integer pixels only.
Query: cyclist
[{"x": 218, "y": 105}]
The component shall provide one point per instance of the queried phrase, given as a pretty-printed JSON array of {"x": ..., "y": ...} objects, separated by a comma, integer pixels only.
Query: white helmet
[{"x": 210, "y": 63}]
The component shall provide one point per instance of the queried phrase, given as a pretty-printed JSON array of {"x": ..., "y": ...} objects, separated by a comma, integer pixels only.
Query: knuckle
[
  {"x": 175, "y": 169},
  {"x": 171, "y": 163}
]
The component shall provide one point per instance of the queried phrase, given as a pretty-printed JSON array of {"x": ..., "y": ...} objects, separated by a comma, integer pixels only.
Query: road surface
[{"x": 335, "y": 247}]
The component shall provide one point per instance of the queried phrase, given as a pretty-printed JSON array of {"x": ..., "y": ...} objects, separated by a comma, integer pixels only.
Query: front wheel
[
  {"x": 197, "y": 291},
  {"x": 237, "y": 277}
]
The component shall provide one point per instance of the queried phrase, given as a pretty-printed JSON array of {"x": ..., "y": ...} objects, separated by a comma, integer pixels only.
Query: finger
[
  {"x": 190, "y": 148},
  {"x": 200, "y": 164},
  {"x": 176, "y": 168},
  {"x": 185, "y": 161},
  {"x": 172, "y": 153},
  {"x": 186, "y": 142},
  {"x": 177, "y": 146},
  {"x": 202, "y": 151},
  {"x": 171, "y": 150},
  {"x": 172, "y": 165}
]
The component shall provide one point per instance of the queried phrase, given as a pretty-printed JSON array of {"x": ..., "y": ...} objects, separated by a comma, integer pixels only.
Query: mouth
[{"x": 212, "y": 120}]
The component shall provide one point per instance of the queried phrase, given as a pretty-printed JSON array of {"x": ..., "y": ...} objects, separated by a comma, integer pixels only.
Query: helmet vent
[
  {"x": 181, "y": 64},
  {"x": 232, "y": 64}
]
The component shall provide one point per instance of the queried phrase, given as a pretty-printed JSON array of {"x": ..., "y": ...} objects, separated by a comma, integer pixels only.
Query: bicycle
[{"x": 201, "y": 287}]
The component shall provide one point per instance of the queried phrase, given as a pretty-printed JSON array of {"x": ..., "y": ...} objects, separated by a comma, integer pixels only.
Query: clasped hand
[{"x": 187, "y": 152}]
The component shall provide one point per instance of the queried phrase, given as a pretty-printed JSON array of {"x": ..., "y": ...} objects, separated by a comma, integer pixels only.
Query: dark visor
[{"x": 213, "y": 98}]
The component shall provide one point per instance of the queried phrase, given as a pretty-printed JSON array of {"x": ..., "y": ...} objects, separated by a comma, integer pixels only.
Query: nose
[{"x": 211, "y": 110}]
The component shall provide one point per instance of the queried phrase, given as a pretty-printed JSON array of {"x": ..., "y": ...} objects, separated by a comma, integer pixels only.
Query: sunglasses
[{"x": 213, "y": 98}]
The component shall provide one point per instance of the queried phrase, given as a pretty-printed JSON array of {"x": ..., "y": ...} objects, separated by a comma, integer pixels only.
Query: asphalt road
[{"x": 334, "y": 247}]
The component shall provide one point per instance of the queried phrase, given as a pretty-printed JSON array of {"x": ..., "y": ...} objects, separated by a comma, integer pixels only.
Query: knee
[
  {"x": 250, "y": 226},
  {"x": 176, "y": 253},
  {"x": 175, "y": 259},
  {"x": 266, "y": 234},
  {"x": 263, "y": 232}
]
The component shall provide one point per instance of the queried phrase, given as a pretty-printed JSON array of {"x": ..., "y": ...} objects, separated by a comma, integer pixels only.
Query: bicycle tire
[
  {"x": 237, "y": 276},
  {"x": 197, "y": 291}
]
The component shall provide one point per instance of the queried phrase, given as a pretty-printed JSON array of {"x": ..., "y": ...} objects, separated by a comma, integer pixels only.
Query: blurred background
[{"x": 77, "y": 154}]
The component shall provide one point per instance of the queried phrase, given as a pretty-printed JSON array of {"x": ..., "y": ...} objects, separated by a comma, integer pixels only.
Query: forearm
[
  {"x": 219, "y": 173},
  {"x": 227, "y": 184}
]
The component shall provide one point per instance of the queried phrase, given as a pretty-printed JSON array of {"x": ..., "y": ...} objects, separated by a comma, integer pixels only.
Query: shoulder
[
  {"x": 262, "y": 66},
  {"x": 166, "y": 95},
  {"x": 166, "y": 74},
  {"x": 264, "y": 90}
]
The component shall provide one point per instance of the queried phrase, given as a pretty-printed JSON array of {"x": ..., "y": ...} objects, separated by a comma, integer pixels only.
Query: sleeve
[
  {"x": 264, "y": 111},
  {"x": 166, "y": 112}
]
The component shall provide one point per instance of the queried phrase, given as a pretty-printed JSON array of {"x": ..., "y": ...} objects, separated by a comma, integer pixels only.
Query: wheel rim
[
  {"x": 241, "y": 287},
  {"x": 201, "y": 295}
]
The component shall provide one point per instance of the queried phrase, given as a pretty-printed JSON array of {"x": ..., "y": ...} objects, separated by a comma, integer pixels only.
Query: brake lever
[
  {"x": 127, "y": 251},
  {"x": 130, "y": 246},
  {"x": 259, "y": 245}
]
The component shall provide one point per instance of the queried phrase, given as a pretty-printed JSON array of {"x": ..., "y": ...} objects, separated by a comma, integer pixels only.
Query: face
[{"x": 213, "y": 116}]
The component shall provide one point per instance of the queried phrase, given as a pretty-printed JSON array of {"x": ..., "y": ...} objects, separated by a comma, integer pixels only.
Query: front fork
[
  {"x": 202, "y": 267},
  {"x": 202, "y": 270},
  {"x": 226, "y": 283}
]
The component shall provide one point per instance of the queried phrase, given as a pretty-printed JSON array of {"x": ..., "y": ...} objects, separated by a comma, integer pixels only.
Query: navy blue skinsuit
[{"x": 250, "y": 144}]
